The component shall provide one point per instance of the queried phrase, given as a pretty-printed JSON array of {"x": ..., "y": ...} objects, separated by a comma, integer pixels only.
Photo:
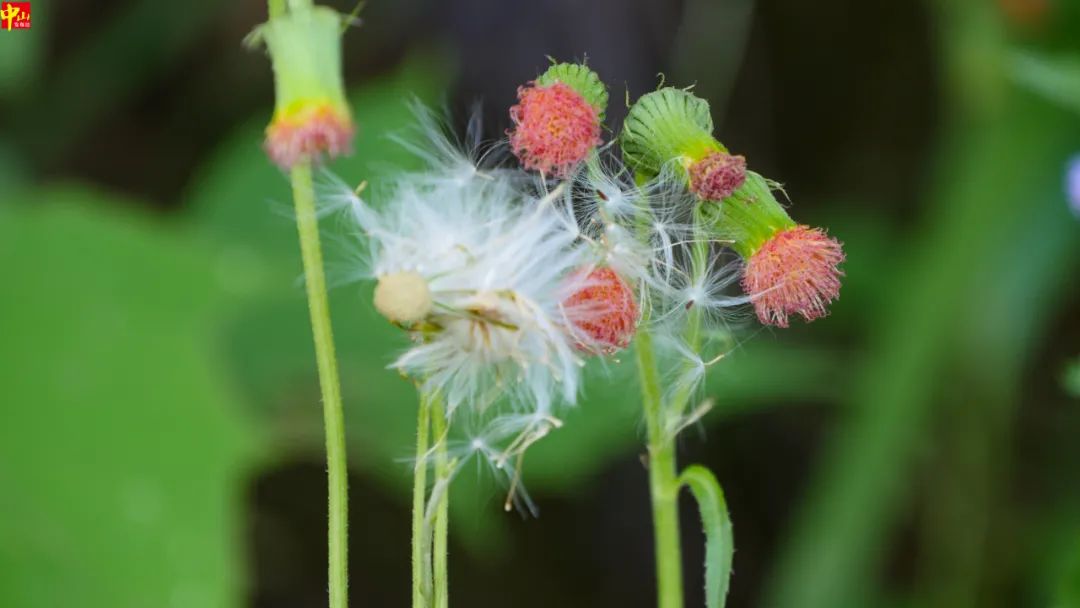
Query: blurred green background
[{"x": 160, "y": 431}]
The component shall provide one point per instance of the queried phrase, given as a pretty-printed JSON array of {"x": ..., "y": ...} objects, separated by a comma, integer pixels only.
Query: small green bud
[
  {"x": 582, "y": 80},
  {"x": 667, "y": 126}
]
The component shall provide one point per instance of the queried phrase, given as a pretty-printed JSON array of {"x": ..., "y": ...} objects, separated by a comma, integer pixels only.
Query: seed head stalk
[
  {"x": 430, "y": 588},
  {"x": 420, "y": 556},
  {"x": 333, "y": 415},
  {"x": 442, "y": 475}
]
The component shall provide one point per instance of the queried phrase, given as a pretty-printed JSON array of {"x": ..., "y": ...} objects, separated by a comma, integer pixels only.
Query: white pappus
[{"x": 475, "y": 267}]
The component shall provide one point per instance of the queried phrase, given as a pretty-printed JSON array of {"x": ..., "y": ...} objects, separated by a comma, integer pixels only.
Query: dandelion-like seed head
[
  {"x": 794, "y": 272},
  {"x": 603, "y": 310},
  {"x": 717, "y": 175},
  {"x": 555, "y": 128},
  {"x": 475, "y": 266}
]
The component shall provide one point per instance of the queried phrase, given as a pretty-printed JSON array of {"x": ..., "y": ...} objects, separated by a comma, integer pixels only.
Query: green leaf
[
  {"x": 121, "y": 443},
  {"x": 719, "y": 540},
  {"x": 1055, "y": 78}
]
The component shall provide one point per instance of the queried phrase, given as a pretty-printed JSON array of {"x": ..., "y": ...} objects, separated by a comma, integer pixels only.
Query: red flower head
[
  {"x": 717, "y": 175},
  {"x": 795, "y": 271},
  {"x": 555, "y": 128},
  {"x": 603, "y": 310}
]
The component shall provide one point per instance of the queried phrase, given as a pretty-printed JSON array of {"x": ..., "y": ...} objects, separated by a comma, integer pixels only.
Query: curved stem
[
  {"x": 442, "y": 475},
  {"x": 663, "y": 480},
  {"x": 419, "y": 553},
  {"x": 333, "y": 415}
]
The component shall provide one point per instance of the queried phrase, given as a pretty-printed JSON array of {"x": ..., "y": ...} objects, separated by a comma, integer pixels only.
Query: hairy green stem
[
  {"x": 442, "y": 475},
  {"x": 333, "y": 416},
  {"x": 420, "y": 556},
  {"x": 663, "y": 479},
  {"x": 430, "y": 511}
]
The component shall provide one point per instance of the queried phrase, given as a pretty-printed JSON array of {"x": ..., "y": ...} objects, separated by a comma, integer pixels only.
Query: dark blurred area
[{"x": 160, "y": 433}]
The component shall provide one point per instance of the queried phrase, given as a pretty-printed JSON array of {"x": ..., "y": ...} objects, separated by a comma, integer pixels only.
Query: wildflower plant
[
  {"x": 506, "y": 280},
  {"x": 485, "y": 271}
]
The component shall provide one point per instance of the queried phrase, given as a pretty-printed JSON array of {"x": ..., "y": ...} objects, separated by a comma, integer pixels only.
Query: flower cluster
[
  {"x": 790, "y": 269},
  {"x": 508, "y": 279}
]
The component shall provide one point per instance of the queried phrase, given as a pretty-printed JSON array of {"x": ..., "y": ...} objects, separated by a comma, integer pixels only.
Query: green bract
[
  {"x": 665, "y": 126},
  {"x": 749, "y": 217},
  {"x": 581, "y": 79}
]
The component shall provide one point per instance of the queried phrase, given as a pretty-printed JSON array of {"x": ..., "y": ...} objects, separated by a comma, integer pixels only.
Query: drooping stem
[
  {"x": 333, "y": 415},
  {"x": 442, "y": 476},
  {"x": 420, "y": 555},
  {"x": 663, "y": 479}
]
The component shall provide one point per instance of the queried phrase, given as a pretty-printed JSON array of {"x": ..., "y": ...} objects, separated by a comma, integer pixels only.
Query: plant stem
[
  {"x": 442, "y": 475},
  {"x": 333, "y": 416},
  {"x": 663, "y": 480},
  {"x": 419, "y": 530}
]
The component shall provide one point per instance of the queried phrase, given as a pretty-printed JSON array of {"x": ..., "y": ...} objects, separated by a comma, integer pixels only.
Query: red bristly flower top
[
  {"x": 794, "y": 272},
  {"x": 555, "y": 128},
  {"x": 603, "y": 310}
]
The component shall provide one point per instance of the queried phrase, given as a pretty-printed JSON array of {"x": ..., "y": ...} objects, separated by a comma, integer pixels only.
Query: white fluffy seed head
[
  {"x": 496, "y": 259},
  {"x": 403, "y": 297}
]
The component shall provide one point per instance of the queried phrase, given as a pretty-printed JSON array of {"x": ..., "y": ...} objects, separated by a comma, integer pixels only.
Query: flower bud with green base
[
  {"x": 671, "y": 129},
  {"x": 557, "y": 119},
  {"x": 311, "y": 117},
  {"x": 790, "y": 268}
]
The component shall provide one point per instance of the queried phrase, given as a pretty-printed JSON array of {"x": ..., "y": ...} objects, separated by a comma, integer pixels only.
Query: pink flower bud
[
  {"x": 717, "y": 175},
  {"x": 603, "y": 310},
  {"x": 308, "y": 134},
  {"x": 555, "y": 128},
  {"x": 795, "y": 271}
]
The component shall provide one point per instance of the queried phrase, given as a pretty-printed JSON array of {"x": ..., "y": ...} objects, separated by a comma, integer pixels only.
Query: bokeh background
[{"x": 160, "y": 430}]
